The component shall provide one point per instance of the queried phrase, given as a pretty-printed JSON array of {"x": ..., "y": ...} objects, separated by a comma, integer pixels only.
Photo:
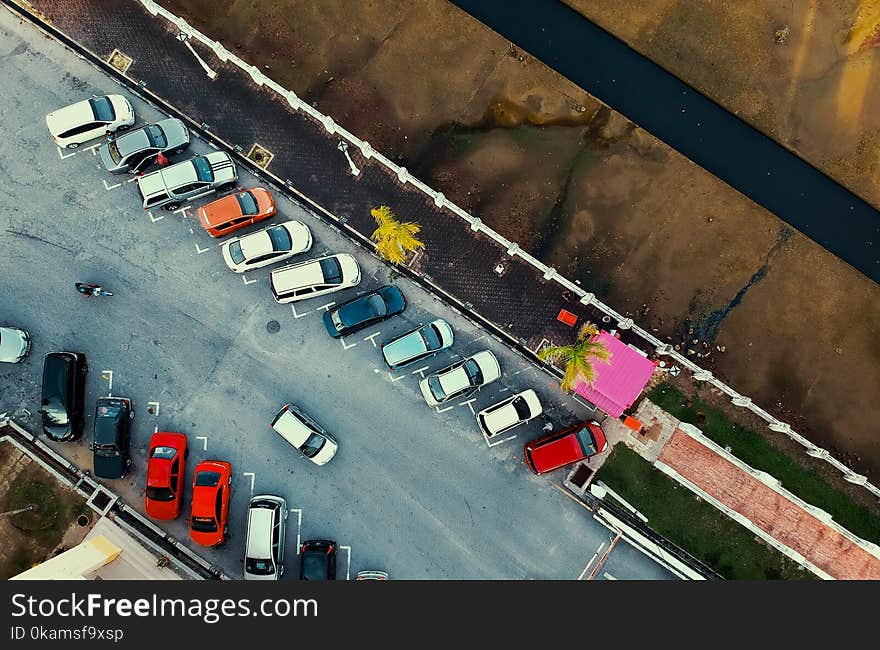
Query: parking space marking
[
  {"x": 541, "y": 344},
  {"x": 299, "y": 523},
  {"x": 468, "y": 403},
  {"x": 326, "y": 307},
  {"x": 182, "y": 211},
  {"x": 575, "y": 499},
  {"x": 608, "y": 576},
  {"x": 150, "y": 408},
  {"x": 64, "y": 156},
  {"x": 448, "y": 408},
  {"x": 253, "y": 476},
  {"x": 590, "y": 563},
  {"x": 500, "y": 442},
  {"x": 201, "y": 250},
  {"x": 107, "y": 375},
  {"x": 295, "y": 315},
  {"x": 110, "y": 187},
  {"x": 245, "y": 280},
  {"x": 393, "y": 378},
  {"x": 156, "y": 429},
  {"x": 154, "y": 219},
  {"x": 348, "y": 566},
  {"x": 371, "y": 338},
  {"x": 93, "y": 148},
  {"x": 346, "y": 346},
  {"x": 421, "y": 371},
  {"x": 204, "y": 440},
  {"x": 604, "y": 556}
]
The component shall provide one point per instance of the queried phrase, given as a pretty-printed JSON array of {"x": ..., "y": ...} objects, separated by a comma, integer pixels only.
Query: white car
[
  {"x": 14, "y": 344},
  {"x": 461, "y": 379},
  {"x": 304, "y": 434},
  {"x": 314, "y": 278},
  {"x": 265, "y": 537},
  {"x": 509, "y": 413},
  {"x": 267, "y": 246},
  {"x": 91, "y": 118}
]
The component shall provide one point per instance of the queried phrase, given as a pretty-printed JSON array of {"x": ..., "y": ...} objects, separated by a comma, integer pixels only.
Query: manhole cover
[
  {"x": 273, "y": 326},
  {"x": 83, "y": 520},
  {"x": 119, "y": 61},
  {"x": 260, "y": 156}
]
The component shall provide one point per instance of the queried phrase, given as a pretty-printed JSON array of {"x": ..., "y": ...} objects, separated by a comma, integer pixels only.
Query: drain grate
[
  {"x": 120, "y": 61},
  {"x": 260, "y": 156}
]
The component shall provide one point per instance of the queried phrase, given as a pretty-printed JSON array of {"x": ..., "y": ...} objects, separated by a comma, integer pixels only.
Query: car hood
[
  {"x": 109, "y": 466},
  {"x": 13, "y": 344}
]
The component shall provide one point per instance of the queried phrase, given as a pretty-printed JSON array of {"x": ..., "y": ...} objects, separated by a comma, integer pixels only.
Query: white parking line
[
  {"x": 299, "y": 523},
  {"x": 110, "y": 187},
  {"x": 348, "y": 567},
  {"x": 590, "y": 563},
  {"x": 154, "y": 219},
  {"x": 345, "y": 346},
  {"x": 500, "y": 442},
  {"x": 156, "y": 404},
  {"x": 107, "y": 375},
  {"x": 204, "y": 440},
  {"x": 131, "y": 180},
  {"x": 201, "y": 250},
  {"x": 246, "y": 281},
  {"x": 64, "y": 156},
  {"x": 156, "y": 429},
  {"x": 295, "y": 315},
  {"x": 183, "y": 211},
  {"x": 448, "y": 408},
  {"x": 94, "y": 148},
  {"x": 326, "y": 307},
  {"x": 469, "y": 403},
  {"x": 421, "y": 371},
  {"x": 253, "y": 476},
  {"x": 608, "y": 576},
  {"x": 393, "y": 378},
  {"x": 371, "y": 338}
]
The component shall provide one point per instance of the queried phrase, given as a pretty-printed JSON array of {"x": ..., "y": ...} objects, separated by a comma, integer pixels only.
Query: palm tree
[
  {"x": 393, "y": 238},
  {"x": 578, "y": 357}
]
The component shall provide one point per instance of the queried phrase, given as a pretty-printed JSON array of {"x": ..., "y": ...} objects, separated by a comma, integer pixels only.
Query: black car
[
  {"x": 317, "y": 560},
  {"x": 135, "y": 150},
  {"x": 113, "y": 416},
  {"x": 61, "y": 406},
  {"x": 364, "y": 311}
]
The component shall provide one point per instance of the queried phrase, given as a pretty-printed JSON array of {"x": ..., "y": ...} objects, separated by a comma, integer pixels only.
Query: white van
[{"x": 314, "y": 278}]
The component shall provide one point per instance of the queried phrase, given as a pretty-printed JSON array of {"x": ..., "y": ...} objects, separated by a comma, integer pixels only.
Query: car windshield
[
  {"x": 207, "y": 479},
  {"x": 156, "y": 136},
  {"x": 588, "y": 443},
  {"x": 204, "y": 524},
  {"x": 280, "y": 238},
  {"x": 331, "y": 270},
  {"x": 436, "y": 388},
  {"x": 235, "y": 252},
  {"x": 203, "y": 169},
  {"x": 431, "y": 337},
  {"x": 313, "y": 445},
  {"x": 377, "y": 305},
  {"x": 473, "y": 372},
  {"x": 314, "y": 565},
  {"x": 247, "y": 202},
  {"x": 103, "y": 109},
  {"x": 259, "y": 567},
  {"x": 160, "y": 494},
  {"x": 164, "y": 452},
  {"x": 522, "y": 408},
  {"x": 114, "y": 152},
  {"x": 336, "y": 319},
  {"x": 106, "y": 451},
  {"x": 56, "y": 413}
]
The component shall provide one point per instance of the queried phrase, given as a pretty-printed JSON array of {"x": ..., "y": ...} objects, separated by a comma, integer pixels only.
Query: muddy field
[
  {"x": 806, "y": 72},
  {"x": 590, "y": 193}
]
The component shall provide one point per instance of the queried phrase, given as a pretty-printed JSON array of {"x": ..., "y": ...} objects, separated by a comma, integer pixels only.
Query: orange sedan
[
  {"x": 226, "y": 215},
  {"x": 210, "y": 502}
]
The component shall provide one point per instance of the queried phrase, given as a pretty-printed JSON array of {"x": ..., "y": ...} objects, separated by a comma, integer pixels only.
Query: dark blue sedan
[{"x": 363, "y": 311}]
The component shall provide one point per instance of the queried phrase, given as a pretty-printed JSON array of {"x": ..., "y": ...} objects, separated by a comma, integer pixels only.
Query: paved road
[
  {"x": 711, "y": 136},
  {"x": 412, "y": 491}
]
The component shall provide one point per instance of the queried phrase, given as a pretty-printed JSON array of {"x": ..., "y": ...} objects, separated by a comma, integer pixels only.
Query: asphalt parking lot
[{"x": 415, "y": 491}]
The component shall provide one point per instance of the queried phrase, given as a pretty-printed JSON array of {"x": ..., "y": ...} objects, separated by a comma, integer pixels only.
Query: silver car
[
  {"x": 264, "y": 542},
  {"x": 14, "y": 344},
  {"x": 135, "y": 150},
  {"x": 190, "y": 179}
]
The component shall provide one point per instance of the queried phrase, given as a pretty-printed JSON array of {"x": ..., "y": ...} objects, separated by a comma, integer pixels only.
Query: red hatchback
[
  {"x": 564, "y": 447},
  {"x": 210, "y": 502},
  {"x": 166, "y": 468}
]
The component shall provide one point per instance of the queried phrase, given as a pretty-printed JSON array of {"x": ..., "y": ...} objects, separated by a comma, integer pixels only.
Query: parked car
[
  {"x": 190, "y": 179},
  {"x": 91, "y": 118},
  {"x": 461, "y": 379},
  {"x": 509, "y": 413},
  {"x": 62, "y": 408},
  {"x": 363, "y": 311},
  {"x": 15, "y": 344},
  {"x": 236, "y": 211},
  {"x": 135, "y": 150},
  {"x": 267, "y": 246},
  {"x": 420, "y": 343},
  {"x": 113, "y": 416},
  {"x": 561, "y": 448},
  {"x": 371, "y": 574},
  {"x": 212, "y": 480},
  {"x": 264, "y": 544},
  {"x": 166, "y": 469},
  {"x": 317, "y": 560},
  {"x": 304, "y": 434},
  {"x": 313, "y": 278}
]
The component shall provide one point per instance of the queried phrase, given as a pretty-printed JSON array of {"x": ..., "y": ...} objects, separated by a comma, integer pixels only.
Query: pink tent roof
[{"x": 620, "y": 381}]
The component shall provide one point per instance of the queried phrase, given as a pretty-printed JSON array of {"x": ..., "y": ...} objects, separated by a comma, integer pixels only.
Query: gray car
[{"x": 134, "y": 151}]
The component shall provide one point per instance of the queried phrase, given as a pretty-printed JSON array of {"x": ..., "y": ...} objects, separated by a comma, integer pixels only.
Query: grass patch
[
  {"x": 693, "y": 524},
  {"x": 755, "y": 450}
]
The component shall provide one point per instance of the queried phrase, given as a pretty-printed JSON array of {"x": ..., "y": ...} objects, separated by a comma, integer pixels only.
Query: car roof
[
  {"x": 304, "y": 274},
  {"x": 557, "y": 453},
  {"x": 259, "y": 540},
  {"x": 405, "y": 347},
  {"x": 158, "y": 472},
  {"x": 454, "y": 380},
  {"x": 292, "y": 429},
  {"x": 179, "y": 173},
  {"x": 505, "y": 415},
  {"x": 256, "y": 244},
  {"x": 133, "y": 141}
]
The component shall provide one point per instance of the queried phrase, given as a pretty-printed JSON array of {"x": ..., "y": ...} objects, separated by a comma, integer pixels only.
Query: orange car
[
  {"x": 226, "y": 215},
  {"x": 210, "y": 502}
]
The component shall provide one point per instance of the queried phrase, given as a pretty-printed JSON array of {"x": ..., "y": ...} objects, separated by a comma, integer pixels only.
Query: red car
[
  {"x": 166, "y": 468},
  {"x": 226, "y": 215},
  {"x": 210, "y": 502},
  {"x": 561, "y": 448}
]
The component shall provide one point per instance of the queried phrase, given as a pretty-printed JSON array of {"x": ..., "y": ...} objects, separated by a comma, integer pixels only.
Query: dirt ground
[
  {"x": 590, "y": 193},
  {"x": 805, "y": 72}
]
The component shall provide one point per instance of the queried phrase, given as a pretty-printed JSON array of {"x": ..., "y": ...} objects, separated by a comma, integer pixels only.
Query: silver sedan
[{"x": 134, "y": 151}]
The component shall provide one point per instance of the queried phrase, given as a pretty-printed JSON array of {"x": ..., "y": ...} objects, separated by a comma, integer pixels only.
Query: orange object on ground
[
  {"x": 631, "y": 423},
  {"x": 567, "y": 317}
]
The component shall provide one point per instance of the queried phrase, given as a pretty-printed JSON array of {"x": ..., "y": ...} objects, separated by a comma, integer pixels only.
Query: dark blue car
[{"x": 363, "y": 311}]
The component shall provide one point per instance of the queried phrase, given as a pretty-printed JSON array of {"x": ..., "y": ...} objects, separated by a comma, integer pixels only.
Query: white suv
[
  {"x": 314, "y": 278},
  {"x": 264, "y": 545},
  {"x": 189, "y": 179}
]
